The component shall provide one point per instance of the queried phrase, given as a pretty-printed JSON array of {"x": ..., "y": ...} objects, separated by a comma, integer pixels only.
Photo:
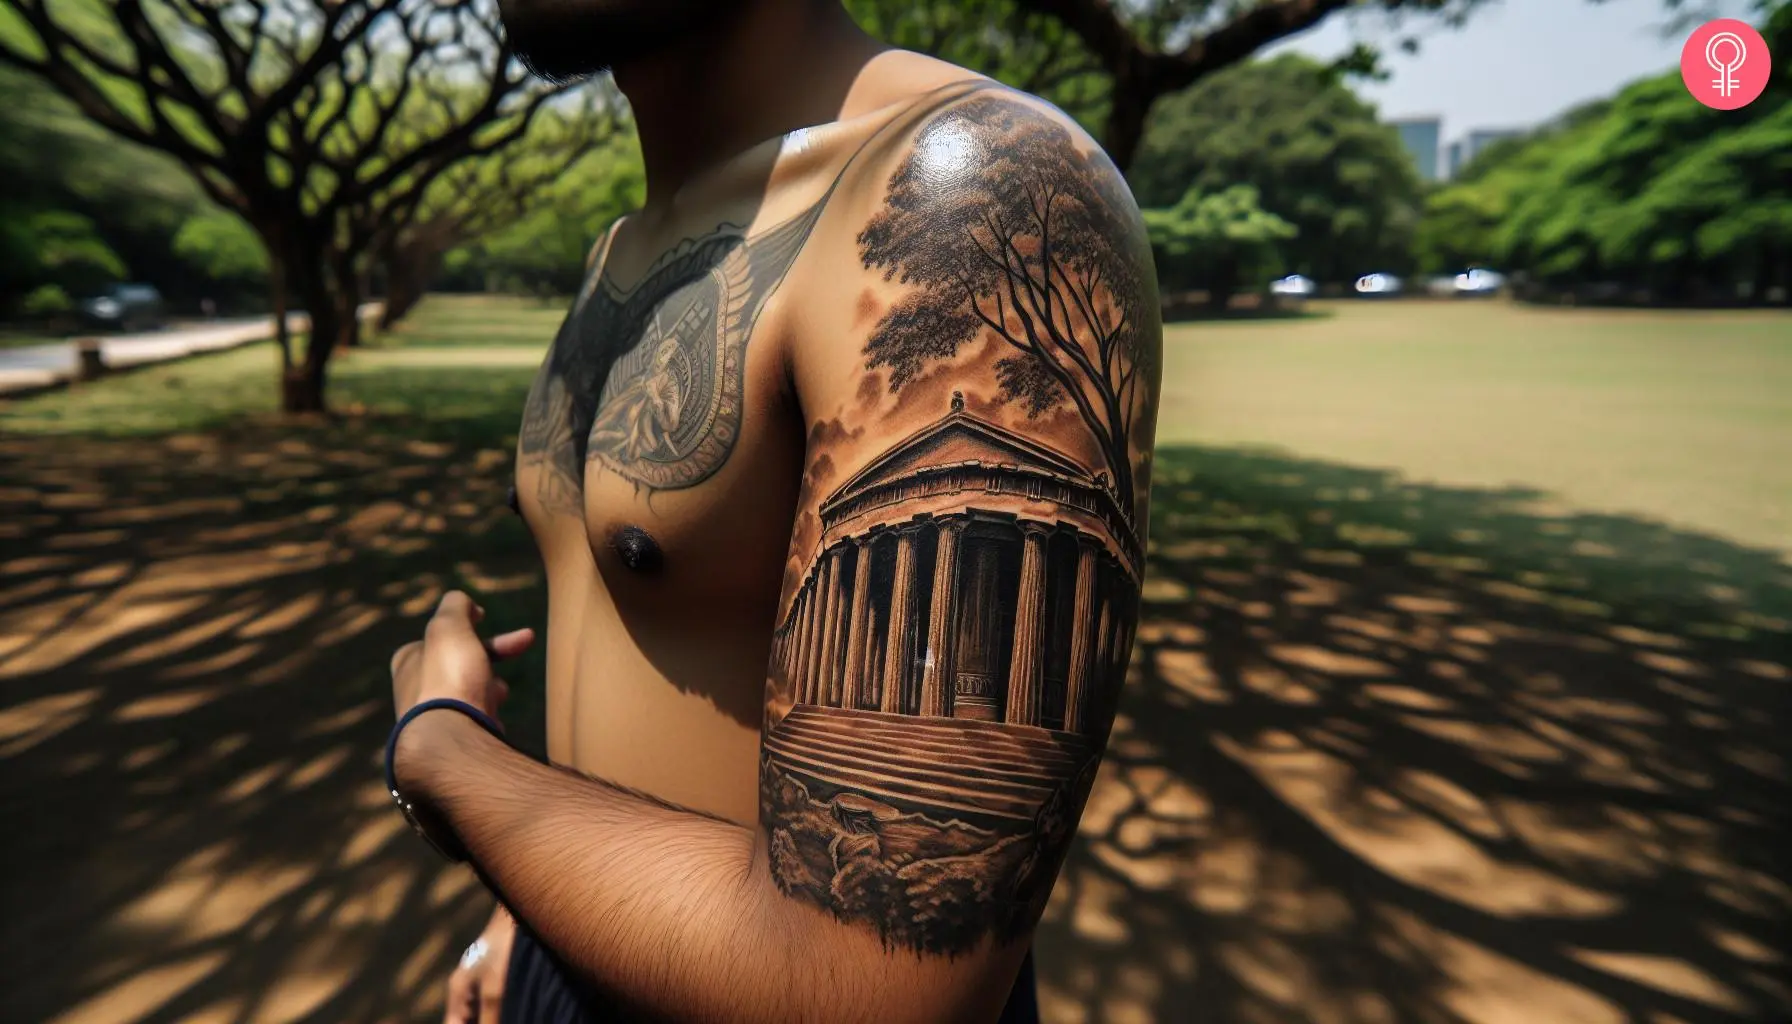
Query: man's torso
[{"x": 661, "y": 452}]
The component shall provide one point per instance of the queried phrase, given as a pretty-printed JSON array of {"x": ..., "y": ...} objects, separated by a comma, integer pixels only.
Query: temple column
[
  {"x": 1104, "y": 634},
  {"x": 859, "y": 612},
  {"x": 805, "y": 637},
  {"x": 936, "y": 674},
  {"x": 899, "y": 642},
  {"x": 874, "y": 666},
  {"x": 1026, "y": 666},
  {"x": 1085, "y": 619},
  {"x": 826, "y": 686}
]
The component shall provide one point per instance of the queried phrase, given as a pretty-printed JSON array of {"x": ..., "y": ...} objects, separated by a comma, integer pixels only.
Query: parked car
[
  {"x": 1378, "y": 285},
  {"x": 1294, "y": 286},
  {"x": 124, "y": 307},
  {"x": 1479, "y": 282}
]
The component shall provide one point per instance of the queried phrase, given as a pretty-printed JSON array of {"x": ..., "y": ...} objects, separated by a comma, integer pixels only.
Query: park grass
[
  {"x": 14, "y": 339},
  {"x": 1683, "y": 416},
  {"x": 478, "y": 321},
  {"x": 460, "y": 365}
]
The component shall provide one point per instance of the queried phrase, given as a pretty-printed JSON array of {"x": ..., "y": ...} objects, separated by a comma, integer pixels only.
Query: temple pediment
[{"x": 957, "y": 439}]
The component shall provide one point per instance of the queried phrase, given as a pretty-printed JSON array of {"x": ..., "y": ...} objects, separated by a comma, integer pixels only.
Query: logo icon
[{"x": 1725, "y": 64}]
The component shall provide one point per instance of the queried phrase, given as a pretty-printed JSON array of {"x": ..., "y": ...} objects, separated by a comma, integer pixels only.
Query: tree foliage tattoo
[{"x": 1002, "y": 224}]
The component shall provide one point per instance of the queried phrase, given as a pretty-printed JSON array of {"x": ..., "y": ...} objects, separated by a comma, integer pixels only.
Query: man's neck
[{"x": 767, "y": 68}]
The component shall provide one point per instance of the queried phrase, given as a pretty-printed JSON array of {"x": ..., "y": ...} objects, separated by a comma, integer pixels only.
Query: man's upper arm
[{"x": 964, "y": 571}]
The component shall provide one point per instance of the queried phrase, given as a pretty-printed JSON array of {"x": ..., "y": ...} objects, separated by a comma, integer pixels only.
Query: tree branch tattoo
[
  {"x": 1030, "y": 244},
  {"x": 945, "y": 677}
]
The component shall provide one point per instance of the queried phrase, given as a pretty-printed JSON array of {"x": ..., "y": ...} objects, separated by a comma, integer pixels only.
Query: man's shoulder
[
  {"x": 977, "y": 126},
  {"x": 978, "y": 156}
]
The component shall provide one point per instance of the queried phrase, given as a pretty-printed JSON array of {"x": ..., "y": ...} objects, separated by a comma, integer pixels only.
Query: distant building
[
  {"x": 1421, "y": 135},
  {"x": 1463, "y": 151}
]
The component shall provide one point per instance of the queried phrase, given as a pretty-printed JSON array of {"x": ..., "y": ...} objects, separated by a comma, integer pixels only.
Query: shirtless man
[{"x": 838, "y": 467}]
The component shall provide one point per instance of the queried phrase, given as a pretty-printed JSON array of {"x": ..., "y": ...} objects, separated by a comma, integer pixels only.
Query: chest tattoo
[{"x": 647, "y": 382}]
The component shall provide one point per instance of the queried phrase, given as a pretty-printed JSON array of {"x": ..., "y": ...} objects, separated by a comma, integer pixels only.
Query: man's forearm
[{"x": 663, "y": 908}]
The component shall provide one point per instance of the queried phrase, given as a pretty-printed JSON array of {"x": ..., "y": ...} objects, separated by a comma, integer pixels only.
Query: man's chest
[{"x": 655, "y": 432}]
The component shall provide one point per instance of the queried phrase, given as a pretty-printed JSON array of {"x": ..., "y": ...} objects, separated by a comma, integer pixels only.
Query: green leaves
[
  {"x": 1650, "y": 188},
  {"x": 1317, "y": 157},
  {"x": 221, "y": 247},
  {"x": 1229, "y": 221}
]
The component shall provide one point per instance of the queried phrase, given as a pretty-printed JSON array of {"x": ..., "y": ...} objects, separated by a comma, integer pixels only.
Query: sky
[{"x": 1516, "y": 63}]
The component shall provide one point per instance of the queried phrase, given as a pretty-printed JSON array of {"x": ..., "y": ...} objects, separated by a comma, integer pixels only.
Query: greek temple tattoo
[{"x": 945, "y": 674}]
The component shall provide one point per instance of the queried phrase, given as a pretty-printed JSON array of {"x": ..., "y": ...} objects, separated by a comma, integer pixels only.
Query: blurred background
[{"x": 1467, "y": 643}]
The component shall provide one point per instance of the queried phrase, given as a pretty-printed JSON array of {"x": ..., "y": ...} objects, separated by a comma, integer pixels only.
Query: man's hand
[
  {"x": 476, "y": 991},
  {"x": 451, "y": 661}
]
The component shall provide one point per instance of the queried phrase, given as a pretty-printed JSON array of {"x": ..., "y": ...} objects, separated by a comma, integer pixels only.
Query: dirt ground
[
  {"x": 191, "y": 773},
  {"x": 1369, "y": 769}
]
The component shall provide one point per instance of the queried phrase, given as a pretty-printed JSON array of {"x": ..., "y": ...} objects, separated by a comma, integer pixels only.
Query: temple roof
[{"x": 956, "y": 439}]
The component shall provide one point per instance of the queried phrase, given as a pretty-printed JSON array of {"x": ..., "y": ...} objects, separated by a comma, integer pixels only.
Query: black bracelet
[{"x": 448, "y": 847}]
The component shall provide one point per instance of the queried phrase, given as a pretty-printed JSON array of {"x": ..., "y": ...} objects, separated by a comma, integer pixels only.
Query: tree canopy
[
  {"x": 1215, "y": 241},
  {"x": 1316, "y": 154}
]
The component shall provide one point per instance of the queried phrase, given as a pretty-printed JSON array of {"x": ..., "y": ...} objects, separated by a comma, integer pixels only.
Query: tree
[
  {"x": 319, "y": 122},
  {"x": 1030, "y": 51},
  {"x": 1316, "y": 153},
  {"x": 544, "y": 250},
  {"x": 1215, "y": 240},
  {"x": 1152, "y": 48},
  {"x": 1148, "y": 49},
  {"x": 485, "y": 195},
  {"x": 1463, "y": 222},
  {"x": 1023, "y": 249}
]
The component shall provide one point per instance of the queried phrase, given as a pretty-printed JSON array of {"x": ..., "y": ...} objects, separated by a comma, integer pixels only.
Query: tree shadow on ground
[
  {"x": 1390, "y": 753},
  {"x": 1394, "y": 752},
  {"x": 194, "y": 633}
]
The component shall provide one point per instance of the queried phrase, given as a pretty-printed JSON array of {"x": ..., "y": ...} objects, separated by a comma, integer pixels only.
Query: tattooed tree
[{"x": 1005, "y": 227}]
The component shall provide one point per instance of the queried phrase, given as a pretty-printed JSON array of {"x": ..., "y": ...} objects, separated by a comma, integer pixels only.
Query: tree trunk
[
  {"x": 408, "y": 273},
  {"x": 1222, "y": 286},
  {"x": 348, "y": 319},
  {"x": 347, "y": 297},
  {"x": 302, "y": 389},
  {"x": 282, "y": 331},
  {"x": 302, "y": 386},
  {"x": 360, "y": 278},
  {"x": 1129, "y": 106}
]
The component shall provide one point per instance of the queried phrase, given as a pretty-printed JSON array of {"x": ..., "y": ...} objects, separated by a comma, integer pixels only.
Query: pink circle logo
[{"x": 1726, "y": 64}]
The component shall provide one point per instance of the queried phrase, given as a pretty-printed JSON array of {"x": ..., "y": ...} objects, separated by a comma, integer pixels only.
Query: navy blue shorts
[{"x": 539, "y": 990}]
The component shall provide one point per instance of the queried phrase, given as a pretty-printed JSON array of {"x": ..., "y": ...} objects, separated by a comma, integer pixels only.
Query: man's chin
[
  {"x": 566, "y": 40},
  {"x": 556, "y": 68}
]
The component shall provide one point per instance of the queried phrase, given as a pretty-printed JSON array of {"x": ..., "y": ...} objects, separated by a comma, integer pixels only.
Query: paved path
[{"x": 39, "y": 366}]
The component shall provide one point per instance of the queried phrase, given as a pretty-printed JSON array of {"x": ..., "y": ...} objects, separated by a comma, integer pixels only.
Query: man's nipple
[{"x": 637, "y": 548}]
